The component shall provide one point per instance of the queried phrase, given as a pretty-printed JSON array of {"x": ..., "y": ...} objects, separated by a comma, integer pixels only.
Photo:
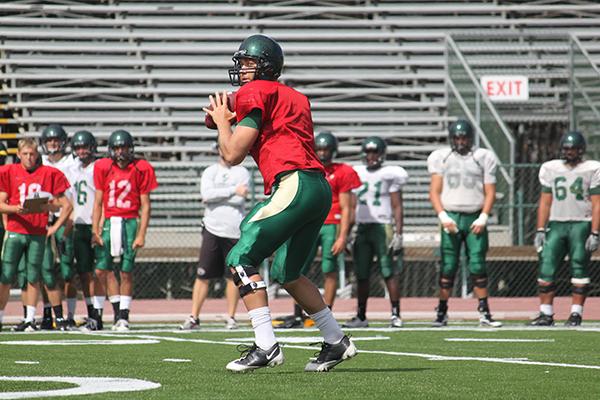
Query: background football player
[
  {"x": 123, "y": 185},
  {"x": 81, "y": 177},
  {"x": 54, "y": 146},
  {"x": 27, "y": 232},
  {"x": 379, "y": 220},
  {"x": 462, "y": 192},
  {"x": 568, "y": 222}
]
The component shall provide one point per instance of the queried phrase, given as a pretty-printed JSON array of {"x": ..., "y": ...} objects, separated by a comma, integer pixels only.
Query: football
[{"x": 208, "y": 121}]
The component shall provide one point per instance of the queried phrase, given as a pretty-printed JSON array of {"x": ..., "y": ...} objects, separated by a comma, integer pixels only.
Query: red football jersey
[
  {"x": 342, "y": 178},
  {"x": 286, "y": 139},
  {"x": 19, "y": 183},
  {"x": 123, "y": 187}
]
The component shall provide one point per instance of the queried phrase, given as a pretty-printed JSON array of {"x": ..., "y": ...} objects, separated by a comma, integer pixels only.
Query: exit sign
[{"x": 506, "y": 87}]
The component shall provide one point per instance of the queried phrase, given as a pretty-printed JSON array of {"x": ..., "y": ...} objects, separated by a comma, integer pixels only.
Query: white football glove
[
  {"x": 539, "y": 239},
  {"x": 396, "y": 244},
  {"x": 481, "y": 220},
  {"x": 445, "y": 219},
  {"x": 592, "y": 242}
]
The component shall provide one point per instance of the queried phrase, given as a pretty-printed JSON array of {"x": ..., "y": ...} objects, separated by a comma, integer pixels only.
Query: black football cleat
[
  {"x": 253, "y": 357},
  {"x": 288, "y": 322},
  {"x": 25, "y": 327},
  {"x": 47, "y": 324},
  {"x": 441, "y": 319},
  {"x": 542, "y": 320},
  {"x": 331, "y": 355},
  {"x": 574, "y": 320}
]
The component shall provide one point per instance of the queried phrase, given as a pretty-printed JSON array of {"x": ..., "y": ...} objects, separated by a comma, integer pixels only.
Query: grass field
[{"x": 415, "y": 362}]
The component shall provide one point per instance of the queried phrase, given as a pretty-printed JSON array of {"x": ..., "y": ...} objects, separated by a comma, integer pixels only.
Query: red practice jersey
[
  {"x": 286, "y": 139},
  {"x": 123, "y": 187},
  {"x": 342, "y": 178},
  {"x": 19, "y": 184}
]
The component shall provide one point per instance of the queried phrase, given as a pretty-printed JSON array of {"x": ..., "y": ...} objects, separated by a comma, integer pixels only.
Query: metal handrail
[{"x": 576, "y": 43}]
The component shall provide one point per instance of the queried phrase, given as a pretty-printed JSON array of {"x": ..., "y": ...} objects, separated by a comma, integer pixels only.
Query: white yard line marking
[
  {"x": 465, "y": 328},
  {"x": 77, "y": 342},
  {"x": 499, "y": 340},
  {"x": 87, "y": 385},
  {"x": 27, "y": 362},
  {"x": 306, "y": 339},
  {"x": 177, "y": 360},
  {"x": 431, "y": 357}
]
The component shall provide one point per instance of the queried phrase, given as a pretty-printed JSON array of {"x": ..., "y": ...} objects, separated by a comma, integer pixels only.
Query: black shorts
[{"x": 212, "y": 256}]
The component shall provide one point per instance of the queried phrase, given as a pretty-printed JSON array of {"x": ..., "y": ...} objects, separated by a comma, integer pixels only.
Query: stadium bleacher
[{"x": 368, "y": 68}]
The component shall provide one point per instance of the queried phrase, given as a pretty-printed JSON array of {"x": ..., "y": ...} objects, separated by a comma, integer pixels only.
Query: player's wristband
[
  {"x": 541, "y": 230},
  {"x": 596, "y": 233}
]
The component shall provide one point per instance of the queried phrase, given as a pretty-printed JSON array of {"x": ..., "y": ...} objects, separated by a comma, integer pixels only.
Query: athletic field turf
[{"x": 415, "y": 362}]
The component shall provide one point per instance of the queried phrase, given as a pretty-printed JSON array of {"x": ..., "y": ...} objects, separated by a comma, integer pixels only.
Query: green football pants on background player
[
  {"x": 476, "y": 245},
  {"x": 564, "y": 238},
  {"x": 128, "y": 233},
  {"x": 373, "y": 240}
]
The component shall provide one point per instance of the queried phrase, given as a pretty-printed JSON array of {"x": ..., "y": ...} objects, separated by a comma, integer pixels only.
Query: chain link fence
[{"x": 166, "y": 267}]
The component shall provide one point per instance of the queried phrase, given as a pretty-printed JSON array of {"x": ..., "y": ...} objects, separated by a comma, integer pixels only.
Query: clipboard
[{"x": 36, "y": 205}]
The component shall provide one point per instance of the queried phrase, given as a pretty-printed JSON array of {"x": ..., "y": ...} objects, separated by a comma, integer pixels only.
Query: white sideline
[
  {"x": 499, "y": 340},
  {"x": 430, "y": 357}
]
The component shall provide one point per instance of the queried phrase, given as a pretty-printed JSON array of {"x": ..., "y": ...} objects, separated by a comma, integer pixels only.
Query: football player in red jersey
[
  {"x": 274, "y": 125},
  {"x": 123, "y": 186},
  {"x": 27, "y": 232},
  {"x": 334, "y": 234}
]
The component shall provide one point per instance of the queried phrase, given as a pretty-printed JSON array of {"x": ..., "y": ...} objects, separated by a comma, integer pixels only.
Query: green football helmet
[
  {"x": 461, "y": 128},
  {"x": 87, "y": 140},
  {"x": 377, "y": 145},
  {"x": 267, "y": 54},
  {"x": 326, "y": 141},
  {"x": 121, "y": 138},
  {"x": 3, "y": 153},
  {"x": 572, "y": 140},
  {"x": 54, "y": 131}
]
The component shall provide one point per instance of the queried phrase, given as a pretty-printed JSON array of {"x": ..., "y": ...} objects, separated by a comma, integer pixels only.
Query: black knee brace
[
  {"x": 582, "y": 290},
  {"x": 547, "y": 288},
  {"x": 479, "y": 280},
  {"x": 241, "y": 278},
  {"x": 446, "y": 282}
]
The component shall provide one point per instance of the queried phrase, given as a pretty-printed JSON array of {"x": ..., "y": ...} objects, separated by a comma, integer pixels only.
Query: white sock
[
  {"x": 263, "y": 329},
  {"x": 125, "y": 303},
  {"x": 114, "y": 299},
  {"x": 98, "y": 302},
  {"x": 71, "y": 305},
  {"x": 577, "y": 308},
  {"x": 330, "y": 329},
  {"x": 88, "y": 301},
  {"x": 1, "y": 315},
  {"x": 547, "y": 309},
  {"x": 30, "y": 314}
]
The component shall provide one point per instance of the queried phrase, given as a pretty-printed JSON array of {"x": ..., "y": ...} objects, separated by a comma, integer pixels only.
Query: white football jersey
[
  {"x": 464, "y": 177},
  {"x": 64, "y": 164},
  {"x": 83, "y": 192},
  {"x": 570, "y": 188},
  {"x": 373, "y": 203}
]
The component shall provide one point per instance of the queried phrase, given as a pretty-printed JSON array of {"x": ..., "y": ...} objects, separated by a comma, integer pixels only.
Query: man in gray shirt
[{"x": 224, "y": 189}]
